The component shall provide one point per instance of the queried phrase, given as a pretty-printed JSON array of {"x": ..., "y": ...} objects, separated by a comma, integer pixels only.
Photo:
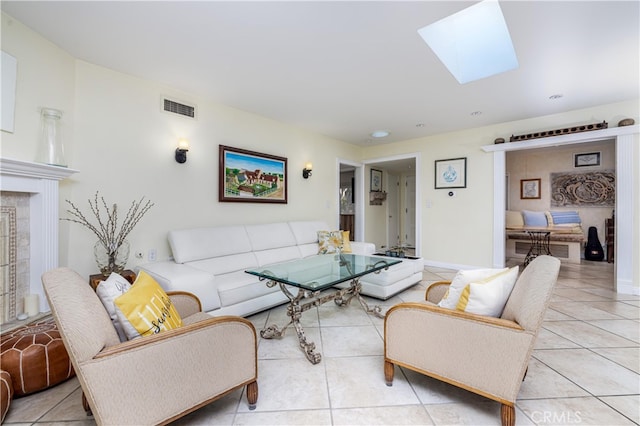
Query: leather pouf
[
  {"x": 6, "y": 393},
  {"x": 35, "y": 357}
]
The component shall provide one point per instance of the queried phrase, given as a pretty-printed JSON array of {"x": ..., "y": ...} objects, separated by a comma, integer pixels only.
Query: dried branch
[{"x": 106, "y": 228}]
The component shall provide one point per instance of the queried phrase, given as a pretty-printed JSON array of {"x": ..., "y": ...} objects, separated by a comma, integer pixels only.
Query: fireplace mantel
[{"x": 41, "y": 182}]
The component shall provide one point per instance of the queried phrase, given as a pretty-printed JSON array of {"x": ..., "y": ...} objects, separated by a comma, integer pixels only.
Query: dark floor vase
[{"x": 593, "y": 249}]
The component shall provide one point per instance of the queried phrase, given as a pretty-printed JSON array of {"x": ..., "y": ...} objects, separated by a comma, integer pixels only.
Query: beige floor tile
[
  {"x": 587, "y": 335},
  {"x": 351, "y": 341},
  {"x": 581, "y": 311},
  {"x": 572, "y": 411},
  {"x": 359, "y": 382},
  {"x": 32, "y": 407},
  {"x": 301, "y": 417},
  {"x": 578, "y": 295},
  {"x": 288, "y": 346},
  {"x": 395, "y": 415},
  {"x": 627, "y": 405},
  {"x": 69, "y": 409},
  {"x": 612, "y": 294},
  {"x": 334, "y": 316},
  {"x": 553, "y": 315},
  {"x": 219, "y": 412},
  {"x": 624, "y": 328},
  {"x": 486, "y": 413},
  {"x": 604, "y": 377},
  {"x": 621, "y": 309},
  {"x": 290, "y": 384},
  {"x": 626, "y": 357},
  {"x": 543, "y": 382},
  {"x": 549, "y": 340},
  {"x": 432, "y": 391}
]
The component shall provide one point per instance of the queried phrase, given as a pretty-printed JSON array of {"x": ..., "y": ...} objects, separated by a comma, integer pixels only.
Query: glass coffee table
[{"x": 313, "y": 275}]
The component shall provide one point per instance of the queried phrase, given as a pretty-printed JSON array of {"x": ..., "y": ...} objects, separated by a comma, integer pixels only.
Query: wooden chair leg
[
  {"x": 389, "y": 370},
  {"x": 252, "y": 395},
  {"x": 508, "y": 415},
  {"x": 85, "y": 405}
]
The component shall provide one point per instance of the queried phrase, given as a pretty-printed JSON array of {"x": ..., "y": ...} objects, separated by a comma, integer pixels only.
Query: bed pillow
[
  {"x": 488, "y": 296},
  {"x": 461, "y": 279},
  {"x": 108, "y": 290},
  {"x": 532, "y": 218},
  {"x": 146, "y": 309}
]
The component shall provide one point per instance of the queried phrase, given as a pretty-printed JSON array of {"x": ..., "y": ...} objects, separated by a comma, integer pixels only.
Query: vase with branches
[{"x": 112, "y": 249}]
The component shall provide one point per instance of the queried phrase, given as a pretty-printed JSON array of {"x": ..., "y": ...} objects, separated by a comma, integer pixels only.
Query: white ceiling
[{"x": 347, "y": 68}]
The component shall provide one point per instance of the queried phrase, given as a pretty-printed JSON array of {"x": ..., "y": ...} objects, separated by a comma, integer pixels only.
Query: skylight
[{"x": 473, "y": 43}]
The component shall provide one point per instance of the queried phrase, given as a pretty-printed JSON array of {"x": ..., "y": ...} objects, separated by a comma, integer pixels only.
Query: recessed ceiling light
[
  {"x": 380, "y": 134},
  {"x": 420, "y": 125},
  {"x": 476, "y": 113},
  {"x": 473, "y": 43},
  {"x": 556, "y": 96}
]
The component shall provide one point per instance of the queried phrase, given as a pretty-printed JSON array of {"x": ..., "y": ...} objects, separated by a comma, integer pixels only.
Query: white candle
[{"x": 31, "y": 305}]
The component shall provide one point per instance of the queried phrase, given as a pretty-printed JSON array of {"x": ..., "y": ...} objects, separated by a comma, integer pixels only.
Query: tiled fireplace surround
[{"x": 33, "y": 187}]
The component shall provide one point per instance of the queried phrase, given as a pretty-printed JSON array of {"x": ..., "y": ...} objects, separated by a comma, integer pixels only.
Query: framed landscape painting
[{"x": 252, "y": 177}]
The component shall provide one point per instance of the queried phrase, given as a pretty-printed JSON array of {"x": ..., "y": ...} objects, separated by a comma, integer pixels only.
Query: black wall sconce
[
  {"x": 181, "y": 151},
  {"x": 306, "y": 172}
]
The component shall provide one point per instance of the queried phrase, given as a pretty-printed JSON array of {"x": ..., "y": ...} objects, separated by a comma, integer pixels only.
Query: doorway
[{"x": 395, "y": 222}]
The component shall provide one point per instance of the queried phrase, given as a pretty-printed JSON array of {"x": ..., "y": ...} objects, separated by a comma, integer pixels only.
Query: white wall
[
  {"x": 458, "y": 231},
  {"x": 123, "y": 146}
]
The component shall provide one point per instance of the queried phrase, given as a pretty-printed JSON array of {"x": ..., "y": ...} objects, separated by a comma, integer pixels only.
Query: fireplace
[{"x": 29, "y": 230}]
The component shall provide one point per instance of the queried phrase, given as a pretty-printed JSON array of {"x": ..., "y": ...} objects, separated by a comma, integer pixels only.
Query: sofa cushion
[
  {"x": 114, "y": 286},
  {"x": 146, "y": 309},
  {"x": 239, "y": 286},
  {"x": 226, "y": 264},
  {"x": 514, "y": 219},
  {"x": 306, "y": 232},
  {"x": 459, "y": 282},
  {"x": 202, "y": 243},
  {"x": 284, "y": 254},
  {"x": 532, "y": 218},
  {"x": 570, "y": 218},
  {"x": 329, "y": 241},
  {"x": 488, "y": 296},
  {"x": 394, "y": 273},
  {"x": 270, "y": 236}
]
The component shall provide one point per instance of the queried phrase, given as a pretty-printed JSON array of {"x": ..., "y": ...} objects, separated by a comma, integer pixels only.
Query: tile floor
[{"x": 585, "y": 370}]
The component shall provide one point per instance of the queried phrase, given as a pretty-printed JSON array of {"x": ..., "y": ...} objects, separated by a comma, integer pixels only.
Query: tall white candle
[{"x": 31, "y": 304}]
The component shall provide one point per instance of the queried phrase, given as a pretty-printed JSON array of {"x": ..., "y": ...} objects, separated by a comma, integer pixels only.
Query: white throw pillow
[
  {"x": 488, "y": 296},
  {"x": 462, "y": 278},
  {"x": 114, "y": 286}
]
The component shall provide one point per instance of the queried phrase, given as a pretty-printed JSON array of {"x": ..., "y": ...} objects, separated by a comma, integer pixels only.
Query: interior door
[
  {"x": 393, "y": 211},
  {"x": 410, "y": 211}
]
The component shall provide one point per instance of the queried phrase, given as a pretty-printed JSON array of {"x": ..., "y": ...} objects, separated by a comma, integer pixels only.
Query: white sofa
[{"x": 211, "y": 263}]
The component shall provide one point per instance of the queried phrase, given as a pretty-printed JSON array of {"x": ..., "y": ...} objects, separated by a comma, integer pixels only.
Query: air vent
[{"x": 178, "y": 108}]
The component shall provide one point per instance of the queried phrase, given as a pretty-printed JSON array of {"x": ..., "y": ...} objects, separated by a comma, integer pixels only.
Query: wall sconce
[
  {"x": 181, "y": 150},
  {"x": 306, "y": 172}
]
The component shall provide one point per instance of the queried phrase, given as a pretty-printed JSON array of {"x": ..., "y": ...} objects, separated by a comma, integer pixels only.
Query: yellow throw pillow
[
  {"x": 146, "y": 309},
  {"x": 330, "y": 242},
  {"x": 488, "y": 296},
  {"x": 461, "y": 279}
]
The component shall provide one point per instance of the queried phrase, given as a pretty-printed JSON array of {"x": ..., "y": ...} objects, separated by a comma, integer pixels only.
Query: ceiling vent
[{"x": 169, "y": 105}]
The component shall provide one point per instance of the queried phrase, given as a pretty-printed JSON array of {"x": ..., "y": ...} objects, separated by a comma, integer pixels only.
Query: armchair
[
  {"x": 154, "y": 379},
  {"x": 484, "y": 355}
]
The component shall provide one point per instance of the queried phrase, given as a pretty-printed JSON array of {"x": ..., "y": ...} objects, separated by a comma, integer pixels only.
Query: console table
[{"x": 312, "y": 275}]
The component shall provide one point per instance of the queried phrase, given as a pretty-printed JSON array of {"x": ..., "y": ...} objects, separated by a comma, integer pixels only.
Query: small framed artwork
[
  {"x": 253, "y": 177},
  {"x": 529, "y": 189},
  {"x": 451, "y": 173},
  {"x": 586, "y": 159},
  {"x": 376, "y": 180}
]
